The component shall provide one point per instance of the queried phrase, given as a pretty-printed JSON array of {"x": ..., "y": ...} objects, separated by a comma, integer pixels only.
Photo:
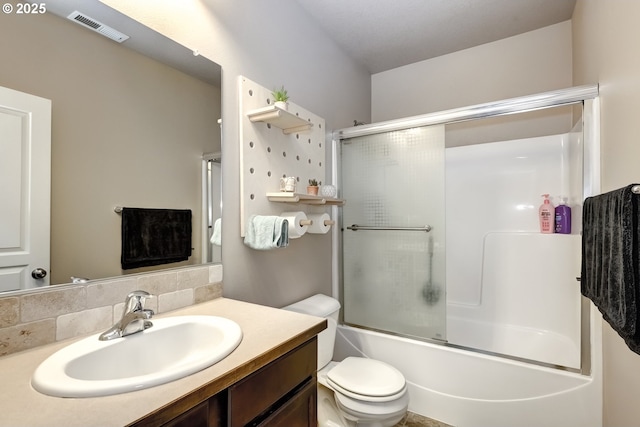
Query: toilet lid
[{"x": 367, "y": 377}]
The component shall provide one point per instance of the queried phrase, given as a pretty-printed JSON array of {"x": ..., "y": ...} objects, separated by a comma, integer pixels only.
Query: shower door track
[{"x": 490, "y": 109}]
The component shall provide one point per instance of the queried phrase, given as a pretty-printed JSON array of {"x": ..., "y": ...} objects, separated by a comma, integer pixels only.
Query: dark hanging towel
[
  {"x": 155, "y": 236},
  {"x": 611, "y": 261}
]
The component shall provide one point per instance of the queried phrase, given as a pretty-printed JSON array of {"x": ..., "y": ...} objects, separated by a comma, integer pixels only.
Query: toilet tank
[{"x": 321, "y": 306}]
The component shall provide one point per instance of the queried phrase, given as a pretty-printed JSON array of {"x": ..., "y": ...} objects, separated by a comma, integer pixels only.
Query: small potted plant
[
  {"x": 312, "y": 188},
  {"x": 280, "y": 98}
]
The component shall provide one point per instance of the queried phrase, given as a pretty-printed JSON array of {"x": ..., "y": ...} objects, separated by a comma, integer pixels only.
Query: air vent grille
[
  {"x": 86, "y": 21},
  {"x": 97, "y": 27}
]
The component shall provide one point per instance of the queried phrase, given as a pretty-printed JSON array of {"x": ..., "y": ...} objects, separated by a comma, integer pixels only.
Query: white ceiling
[
  {"x": 379, "y": 34},
  {"x": 386, "y": 34}
]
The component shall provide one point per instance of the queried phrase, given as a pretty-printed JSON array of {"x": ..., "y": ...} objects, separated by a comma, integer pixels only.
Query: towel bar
[{"x": 356, "y": 227}]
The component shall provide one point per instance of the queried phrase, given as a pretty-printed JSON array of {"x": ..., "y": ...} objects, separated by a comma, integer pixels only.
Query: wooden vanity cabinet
[
  {"x": 278, "y": 392},
  {"x": 281, "y": 394}
]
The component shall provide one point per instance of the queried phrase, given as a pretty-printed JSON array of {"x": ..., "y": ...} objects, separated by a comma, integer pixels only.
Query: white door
[{"x": 25, "y": 172}]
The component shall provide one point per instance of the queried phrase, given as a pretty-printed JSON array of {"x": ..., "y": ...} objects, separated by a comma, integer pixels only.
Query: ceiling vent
[{"x": 98, "y": 27}]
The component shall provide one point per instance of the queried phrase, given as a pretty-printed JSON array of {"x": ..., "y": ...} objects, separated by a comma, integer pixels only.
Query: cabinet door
[
  {"x": 262, "y": 391},
  {"x": 265, "y": 390},
  {"x": 299, "y": 411}
]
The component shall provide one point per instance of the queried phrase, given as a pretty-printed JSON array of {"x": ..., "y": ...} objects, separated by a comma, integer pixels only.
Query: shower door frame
[
  {"x": 208, "y": 202},
  {"x": 586, "y": 95}
]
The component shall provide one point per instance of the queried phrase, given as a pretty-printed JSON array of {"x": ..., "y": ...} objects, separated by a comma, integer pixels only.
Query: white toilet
[{"x": 366, "y": 392}]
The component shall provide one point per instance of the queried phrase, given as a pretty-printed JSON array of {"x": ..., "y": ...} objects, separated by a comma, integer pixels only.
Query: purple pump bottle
[{"x": 563, "y": 217}]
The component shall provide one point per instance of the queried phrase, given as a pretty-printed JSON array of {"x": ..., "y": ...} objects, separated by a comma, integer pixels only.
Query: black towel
[
  {"x": 155, "y": 236},
  {"x": 610, "y": 260}
]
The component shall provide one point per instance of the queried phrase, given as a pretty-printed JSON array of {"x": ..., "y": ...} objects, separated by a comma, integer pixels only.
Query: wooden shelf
[
  {"x": 288, "y": 122},
  {"x": 305, "y": 199}
]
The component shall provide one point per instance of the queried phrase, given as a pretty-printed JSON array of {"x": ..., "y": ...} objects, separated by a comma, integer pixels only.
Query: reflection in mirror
[
  {"x": 212, "y": 165},
  {"x": 127, "y": 130}
]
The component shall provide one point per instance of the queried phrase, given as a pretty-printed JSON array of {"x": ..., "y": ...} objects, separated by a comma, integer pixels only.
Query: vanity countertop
[{"x": 267, "y": 334}]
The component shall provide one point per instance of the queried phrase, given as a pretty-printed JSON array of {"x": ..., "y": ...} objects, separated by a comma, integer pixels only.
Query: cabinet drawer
[
  {"x": 195, "y": 417},
  {"x": 299, "y": 411},
  {"x": 210, "y": 413},
  {"x": 261, "y": 390}
]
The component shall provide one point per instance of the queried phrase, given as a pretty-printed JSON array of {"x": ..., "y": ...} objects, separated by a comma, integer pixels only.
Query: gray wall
[
  {"x": 273, "y": 44},
  {"x": 605, "y": 45}
]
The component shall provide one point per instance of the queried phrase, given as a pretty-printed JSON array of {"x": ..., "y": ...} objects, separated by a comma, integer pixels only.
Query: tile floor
[{"x": 415, "y": 420}]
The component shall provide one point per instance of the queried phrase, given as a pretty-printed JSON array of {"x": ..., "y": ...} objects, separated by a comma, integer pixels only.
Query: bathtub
[
  {"x": 470, "y": 389},
  {"x": 544, "y": 346}
]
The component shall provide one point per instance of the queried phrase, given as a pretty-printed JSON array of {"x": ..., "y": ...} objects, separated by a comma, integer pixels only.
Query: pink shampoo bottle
[{"x": 547, "y": 216}]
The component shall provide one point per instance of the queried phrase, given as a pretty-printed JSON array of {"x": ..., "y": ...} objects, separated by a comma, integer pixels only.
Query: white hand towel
[
  {"x": 267, "y": 232},
  {"x": 216, "y": 237}
]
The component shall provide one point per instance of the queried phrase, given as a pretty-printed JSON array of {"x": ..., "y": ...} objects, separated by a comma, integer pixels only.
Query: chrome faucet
[{"x": 134, "y": 317}]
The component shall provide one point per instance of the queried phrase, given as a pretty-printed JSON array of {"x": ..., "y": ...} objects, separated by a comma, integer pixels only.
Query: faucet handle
[{"x": 135, "y": 301}]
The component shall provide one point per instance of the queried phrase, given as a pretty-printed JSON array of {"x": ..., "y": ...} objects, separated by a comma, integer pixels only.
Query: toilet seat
[
  {"x": 383, "y": 393},
  {"x": 365, "y": 398},
  {"x": 367, "y": 380}
]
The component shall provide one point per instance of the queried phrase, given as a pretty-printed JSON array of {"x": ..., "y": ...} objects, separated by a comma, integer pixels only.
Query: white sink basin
[{"x": 172, "y": 348}]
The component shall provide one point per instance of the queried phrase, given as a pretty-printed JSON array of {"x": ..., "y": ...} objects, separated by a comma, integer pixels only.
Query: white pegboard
[{"x": 268, "y": 154}]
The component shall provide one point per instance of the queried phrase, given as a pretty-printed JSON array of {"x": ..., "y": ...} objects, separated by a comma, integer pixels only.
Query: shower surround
[{"x": 502, "y": 273}]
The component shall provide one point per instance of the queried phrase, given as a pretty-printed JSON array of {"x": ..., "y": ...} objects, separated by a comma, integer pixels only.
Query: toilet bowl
[{"x": 366, "y": 392}]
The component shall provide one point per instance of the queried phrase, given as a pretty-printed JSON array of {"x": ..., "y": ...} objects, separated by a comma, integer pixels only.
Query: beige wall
[
  {"x": 525, "y": 64},
  {"x": 529, "y": 63},
  {"x": 605, "y": 38},
  {"x": 126, "y": 131}
]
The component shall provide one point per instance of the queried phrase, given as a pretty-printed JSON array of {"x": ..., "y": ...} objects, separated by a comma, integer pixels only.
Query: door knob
[{"x": 39, "y": 273}]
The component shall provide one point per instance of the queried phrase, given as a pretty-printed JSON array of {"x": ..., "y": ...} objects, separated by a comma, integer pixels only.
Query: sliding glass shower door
[{"x": 394, "y": 232}]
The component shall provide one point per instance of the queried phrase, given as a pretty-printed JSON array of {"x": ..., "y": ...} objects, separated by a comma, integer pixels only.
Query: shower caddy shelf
[
  {"x": 305, "y": 199},
  {"x": 288, "y": 122}
]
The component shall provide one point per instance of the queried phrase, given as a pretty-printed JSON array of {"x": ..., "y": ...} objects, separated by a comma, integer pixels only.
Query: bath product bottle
[
  {"x": 546, "y": 213},
  {"x": 563, "y": 217}
]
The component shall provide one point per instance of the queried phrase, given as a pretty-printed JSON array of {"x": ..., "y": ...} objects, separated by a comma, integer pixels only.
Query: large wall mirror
[{"x": 127, "y": 129}]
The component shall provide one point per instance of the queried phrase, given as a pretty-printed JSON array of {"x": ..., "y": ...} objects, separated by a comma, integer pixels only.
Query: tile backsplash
[{"x": 32, "y": 319}]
